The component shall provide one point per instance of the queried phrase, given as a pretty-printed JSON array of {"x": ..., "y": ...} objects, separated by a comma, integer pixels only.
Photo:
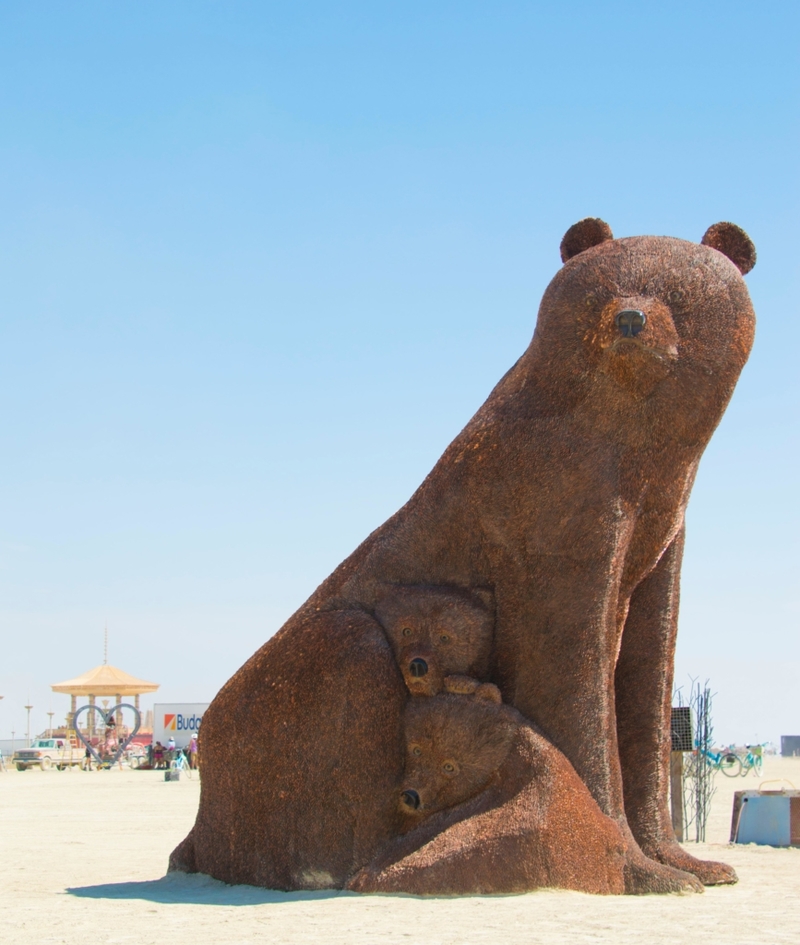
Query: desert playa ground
[{"x": 83, "y": 857}]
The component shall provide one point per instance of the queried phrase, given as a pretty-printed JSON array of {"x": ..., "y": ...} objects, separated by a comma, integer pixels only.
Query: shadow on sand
[{"x": 197, "y": 889}]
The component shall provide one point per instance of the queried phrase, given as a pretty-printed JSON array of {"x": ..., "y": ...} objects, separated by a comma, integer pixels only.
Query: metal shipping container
[{"x": 768, "y": 817}]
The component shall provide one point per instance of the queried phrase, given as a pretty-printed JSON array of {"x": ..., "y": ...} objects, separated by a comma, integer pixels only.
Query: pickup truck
[{"x": 46, "y": 752}]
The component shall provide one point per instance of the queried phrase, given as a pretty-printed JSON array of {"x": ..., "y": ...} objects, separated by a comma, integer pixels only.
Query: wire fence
[{"x": 699, "y": 772}]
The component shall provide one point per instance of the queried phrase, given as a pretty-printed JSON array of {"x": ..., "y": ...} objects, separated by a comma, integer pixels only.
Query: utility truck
[{"x": 45, "y": 753}]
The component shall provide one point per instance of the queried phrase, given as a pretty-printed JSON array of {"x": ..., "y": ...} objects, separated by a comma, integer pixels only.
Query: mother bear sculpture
[{"x": 565, "y": 496}]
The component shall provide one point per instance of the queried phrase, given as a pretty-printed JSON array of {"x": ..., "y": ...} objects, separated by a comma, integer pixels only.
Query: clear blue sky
[{"x": 260, "y": 262}]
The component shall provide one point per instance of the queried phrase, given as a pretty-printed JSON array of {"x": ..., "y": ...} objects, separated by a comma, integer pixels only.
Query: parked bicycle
[
  {"x": 726, "y": 761},
  {"x": 181, "y": 763},
  {"x": 753, "y": 760}
]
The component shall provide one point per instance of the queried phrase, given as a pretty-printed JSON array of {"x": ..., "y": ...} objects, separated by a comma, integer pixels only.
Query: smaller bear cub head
[
  {"x": 454, "y": 744},
  {"x": 437, "y": 632}
]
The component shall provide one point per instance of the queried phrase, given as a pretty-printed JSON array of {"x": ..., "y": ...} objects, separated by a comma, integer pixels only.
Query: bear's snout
[
  {"x": 418, "y": 667},
  {"x": 630, "y": 322},
  {"x": 647, "y": 321},
  {"x": 641, "y": 343},
  {"x": 421, "y": 670},
  {"x": 409, "y": 798}
]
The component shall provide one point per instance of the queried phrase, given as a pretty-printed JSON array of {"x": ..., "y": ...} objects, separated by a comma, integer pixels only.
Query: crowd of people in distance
[
  {"x": 162, "y": 756},
  {"x": 157, "y": 755}
]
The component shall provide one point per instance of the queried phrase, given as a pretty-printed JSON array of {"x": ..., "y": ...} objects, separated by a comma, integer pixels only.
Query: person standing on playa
[{"x": 193, "y": 751}]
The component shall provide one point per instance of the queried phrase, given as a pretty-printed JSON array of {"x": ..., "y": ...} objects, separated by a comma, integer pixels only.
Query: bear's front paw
[
  {"x": 643, "y": 875},
  {"x": 467, "y": 686},
  {"x": 461, "y": 685},
  {"x": 709, "y": 872}
]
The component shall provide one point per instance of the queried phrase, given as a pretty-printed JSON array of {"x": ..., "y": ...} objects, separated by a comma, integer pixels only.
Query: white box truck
[{"x": 177, "y": 720}]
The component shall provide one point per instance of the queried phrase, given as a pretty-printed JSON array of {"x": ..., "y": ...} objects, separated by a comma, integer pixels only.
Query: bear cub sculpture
[
  {"x": 454, "y": 744},
  {"x": 441, "y": 636},
  {"x": 491, "y": 807}
]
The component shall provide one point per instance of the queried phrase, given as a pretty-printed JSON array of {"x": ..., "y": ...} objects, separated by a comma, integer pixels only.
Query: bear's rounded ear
[
  {"x": 583, "y": 235},
  {"x": 488, "y": 692},
  {"x": 732, "y": 241}
]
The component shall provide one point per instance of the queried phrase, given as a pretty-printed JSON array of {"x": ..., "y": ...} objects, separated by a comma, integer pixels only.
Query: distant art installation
[{"x": 478, "y": 699}]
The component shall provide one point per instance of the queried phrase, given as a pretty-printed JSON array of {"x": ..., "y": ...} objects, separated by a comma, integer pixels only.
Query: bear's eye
[
  {"x": 406, "y": 631},
  {"x": 416, "y": 750},
  {"x": 449, "y": 767},
  {"x": 444, "y": 638}
]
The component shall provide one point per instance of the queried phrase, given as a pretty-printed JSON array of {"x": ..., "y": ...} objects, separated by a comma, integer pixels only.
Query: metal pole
[
  {"x": 50, "y": 730},
  {"x": 90, "y": 721},
  {"x": 676, "y": 793},
  {"x": 28, "y": 732}
]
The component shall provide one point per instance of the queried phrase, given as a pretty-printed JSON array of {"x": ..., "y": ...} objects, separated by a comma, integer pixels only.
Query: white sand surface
[{"x": 83, "y": 857}]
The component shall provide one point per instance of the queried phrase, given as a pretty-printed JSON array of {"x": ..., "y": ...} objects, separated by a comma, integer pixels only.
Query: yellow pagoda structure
[{"x": 103, "y": 680}]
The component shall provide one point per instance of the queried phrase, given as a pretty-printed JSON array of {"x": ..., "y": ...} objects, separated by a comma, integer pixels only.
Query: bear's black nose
[
  {"x": 410, "y": 799},
  {"x": 418, "y": 666},
  {"x": 630, "y": 322}
]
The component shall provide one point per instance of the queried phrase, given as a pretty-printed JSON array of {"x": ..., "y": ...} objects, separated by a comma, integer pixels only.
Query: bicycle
[
  {"x": 726, "y": 761},
  {"x": 753, "y": 760},
  {"x": 181, "y": 763}
]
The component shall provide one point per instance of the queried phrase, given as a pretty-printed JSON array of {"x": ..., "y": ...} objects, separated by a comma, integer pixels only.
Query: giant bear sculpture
[{"x": 565, "y": 496}]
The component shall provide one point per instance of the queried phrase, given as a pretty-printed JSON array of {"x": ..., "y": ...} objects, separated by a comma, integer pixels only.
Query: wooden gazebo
[{"x": 103, "y": 680}]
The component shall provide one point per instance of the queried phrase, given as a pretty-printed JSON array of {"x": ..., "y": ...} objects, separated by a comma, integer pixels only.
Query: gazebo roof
[{"x": 105, "y": 680}]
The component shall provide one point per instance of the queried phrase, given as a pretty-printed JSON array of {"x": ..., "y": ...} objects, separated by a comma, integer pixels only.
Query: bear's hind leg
[{"x": 643, "y": 690}]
